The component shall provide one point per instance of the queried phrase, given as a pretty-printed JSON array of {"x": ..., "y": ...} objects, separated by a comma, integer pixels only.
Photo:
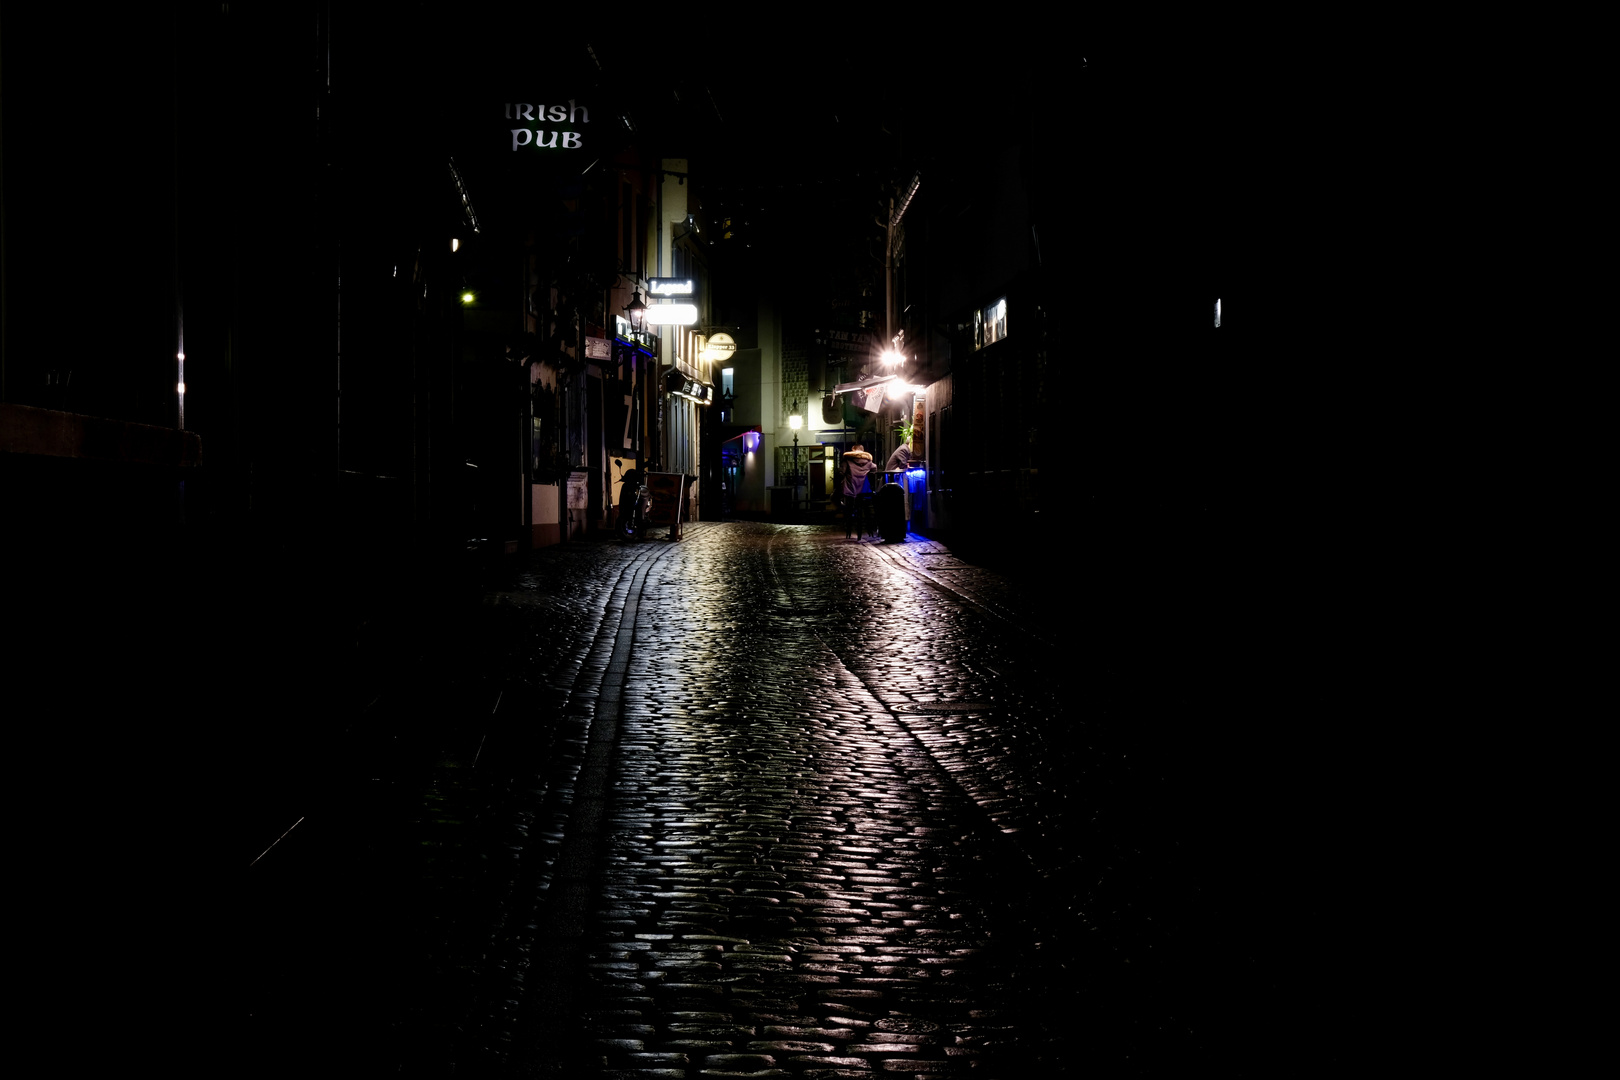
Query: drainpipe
[
  {"x": 658, "y": 355},
  {"x": 888, "y": 281}
]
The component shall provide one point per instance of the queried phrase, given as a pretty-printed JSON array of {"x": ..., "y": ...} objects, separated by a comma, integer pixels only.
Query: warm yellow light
[
  {"x": 795, "y": 421},
  {"x": 466, "y": 298}
]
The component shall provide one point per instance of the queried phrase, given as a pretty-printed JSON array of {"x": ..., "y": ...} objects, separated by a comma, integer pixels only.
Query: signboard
[
  {"x": 718, "y": 348},
  {"x": 535, "y": 126},
  {"x": 869, "y": 399},
  {"x": 676, "y": 382},
  {"x": 664, "y": 286},
  {"x": 577, "y": 491},
  {"x": 860, "y": 342},
  {"x": 668, "y": 498},
  {"x": 597, "y": 348},
  {"x": 644, "y": 338},
  {"x": 621, "y": 400},
  {"x": 671, "y": 314}
]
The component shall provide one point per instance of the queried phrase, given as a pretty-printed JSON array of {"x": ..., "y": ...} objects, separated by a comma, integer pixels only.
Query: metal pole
[
  {"x": 658, "y": 357},
  {"x": 888, "y": 281}
]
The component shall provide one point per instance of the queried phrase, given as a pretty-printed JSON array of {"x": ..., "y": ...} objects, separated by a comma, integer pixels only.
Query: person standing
[
  {"x": 857, "y": 465},
  {"x": 900, "y": 460}
]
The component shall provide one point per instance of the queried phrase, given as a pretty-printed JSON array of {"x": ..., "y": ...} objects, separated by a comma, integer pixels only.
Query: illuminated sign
[
  {"x": 990, "y": 324},
  {"x": 718, "y": 347},
  {"x": 679, "y": 384},
  {"x": 548, "y": 127},
  {"x": 622, "y": 330},
  {"x": 663, "y": 286},
  {"x": 671, "y": 314}
]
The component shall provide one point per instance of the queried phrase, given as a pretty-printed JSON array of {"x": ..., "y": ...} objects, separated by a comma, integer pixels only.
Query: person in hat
[{"x": 857, "y": 465}]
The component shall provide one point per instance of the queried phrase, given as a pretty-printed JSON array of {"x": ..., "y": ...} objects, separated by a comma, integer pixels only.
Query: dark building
[
  {"x": 290, "y": 349},
  {"x": 300, "y": 302}
]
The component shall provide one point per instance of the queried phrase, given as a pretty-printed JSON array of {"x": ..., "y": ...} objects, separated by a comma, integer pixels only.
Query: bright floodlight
[{"x": 891, "y": 358}]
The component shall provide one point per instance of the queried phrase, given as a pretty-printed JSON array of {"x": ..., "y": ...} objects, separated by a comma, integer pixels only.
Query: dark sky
[{"x": 811, "y": 120}]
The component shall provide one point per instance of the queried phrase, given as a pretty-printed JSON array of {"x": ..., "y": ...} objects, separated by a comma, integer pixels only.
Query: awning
[
  {"x": 750, "y": 436},
  {"x": 867, "y": 395},
  {"x": 25, "y": 429},
  {"x": 861, "y": 384}
]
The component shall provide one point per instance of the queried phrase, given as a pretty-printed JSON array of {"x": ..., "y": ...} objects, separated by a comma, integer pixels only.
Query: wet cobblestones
[
  {"x": 792, "y": 884},
  {"x": 759, "y": 803}
]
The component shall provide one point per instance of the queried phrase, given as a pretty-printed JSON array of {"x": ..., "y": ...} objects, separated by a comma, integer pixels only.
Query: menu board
[{"x": 668, "y": 497}]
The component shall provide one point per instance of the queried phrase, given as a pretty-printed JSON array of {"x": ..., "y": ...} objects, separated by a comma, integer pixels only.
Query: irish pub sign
[{"x": 547, "y": 125}]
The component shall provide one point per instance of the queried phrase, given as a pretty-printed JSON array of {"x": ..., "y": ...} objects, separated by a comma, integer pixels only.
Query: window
[{"x": 990, "y": 324}]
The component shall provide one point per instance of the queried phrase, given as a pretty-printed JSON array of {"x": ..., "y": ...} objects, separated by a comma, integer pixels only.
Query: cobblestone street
[
  {"x": 435, "y": 650},
  {"x": 761, "y": 803},
  {"x": 791, "y": 875}
]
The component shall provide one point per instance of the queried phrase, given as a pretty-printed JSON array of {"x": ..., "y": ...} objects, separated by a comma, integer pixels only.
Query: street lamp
[
  {"x": 795, "y": 421},
  {"x": 637, "y": 312}
]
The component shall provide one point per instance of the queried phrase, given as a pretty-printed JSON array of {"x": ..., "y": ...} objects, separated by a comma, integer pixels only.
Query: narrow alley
[{"x": 764, "y": 802}]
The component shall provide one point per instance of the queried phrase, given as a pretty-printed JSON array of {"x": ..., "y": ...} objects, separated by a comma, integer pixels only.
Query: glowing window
[{"x": 990, "y": 324}]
